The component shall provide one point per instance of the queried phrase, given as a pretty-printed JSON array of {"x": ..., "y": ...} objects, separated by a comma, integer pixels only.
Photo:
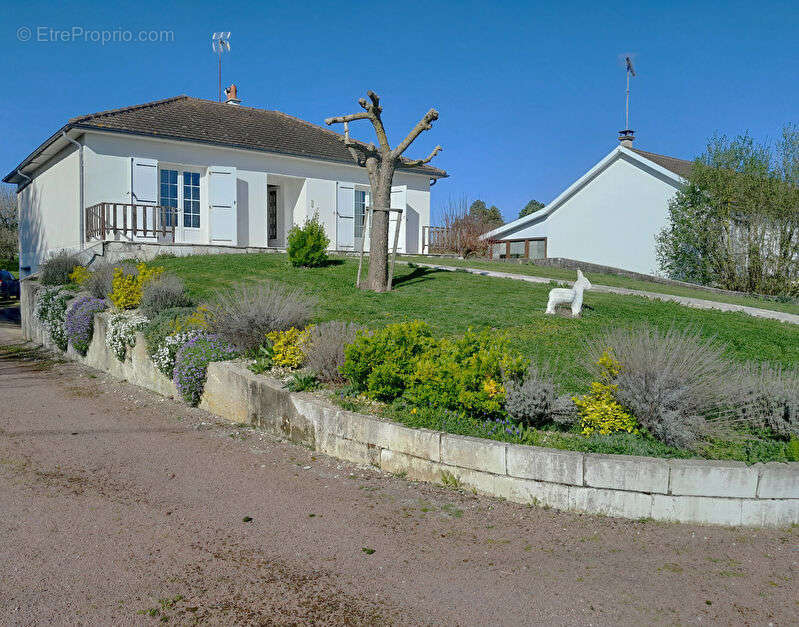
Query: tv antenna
[
  {"x": 630, "y": 72},
  {"x": 220, "y": 42}
]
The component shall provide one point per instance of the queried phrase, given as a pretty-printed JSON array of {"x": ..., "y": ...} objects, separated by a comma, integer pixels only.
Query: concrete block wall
[{"x": 695, "y": 491}]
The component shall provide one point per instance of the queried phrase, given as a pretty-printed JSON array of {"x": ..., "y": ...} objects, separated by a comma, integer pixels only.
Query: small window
[
  {"x": 360, "y": 211},
  {"x": 191, "y": 200},
  {"x": 169, "y": 196},
  {"x": 538, "y": 248},
  {"x": 516, "y": 250}
]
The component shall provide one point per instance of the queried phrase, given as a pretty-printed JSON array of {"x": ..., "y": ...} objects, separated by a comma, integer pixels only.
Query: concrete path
[
  {"x": 121, "y": 507},
  {"x": 699, "y": 303}
]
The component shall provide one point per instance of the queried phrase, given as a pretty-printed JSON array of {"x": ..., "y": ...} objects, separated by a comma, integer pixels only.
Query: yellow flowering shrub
[
  {"x": 599, "y": 409},
  {"x": 126, "y": 289},
  {"x": 492, "y": 388},
  {"x": 289, "y": 347},
  {"x": 199, "y": 319},
  {"x": 79, "y": 275}
]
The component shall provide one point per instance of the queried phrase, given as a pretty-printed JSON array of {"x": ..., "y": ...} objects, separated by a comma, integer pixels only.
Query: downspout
[
  {"x": 81, "y": 219},
  {"x": 19, "y": 231}
]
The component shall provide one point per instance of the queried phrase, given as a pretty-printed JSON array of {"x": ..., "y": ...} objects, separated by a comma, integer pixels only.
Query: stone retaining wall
[{"x": 697, "y": 491}]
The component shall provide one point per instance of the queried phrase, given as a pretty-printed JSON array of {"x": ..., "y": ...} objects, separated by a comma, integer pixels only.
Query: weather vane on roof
[{"x": 220, "y": 42}]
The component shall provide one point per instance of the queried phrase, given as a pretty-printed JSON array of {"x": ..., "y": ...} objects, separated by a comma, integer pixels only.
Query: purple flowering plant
[
  {"x": 191, "y": 364},
  {"x": 79, "y": 321}
]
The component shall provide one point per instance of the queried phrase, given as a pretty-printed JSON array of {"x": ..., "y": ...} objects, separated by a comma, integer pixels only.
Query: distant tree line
[
  {"x": 9, "y": 225},
  {"x": 735, "y": 224}
]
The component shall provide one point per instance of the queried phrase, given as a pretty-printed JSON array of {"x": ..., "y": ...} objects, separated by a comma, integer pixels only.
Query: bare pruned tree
[
  {"x": 380, "y": 162},
  {"x": 9, "y": 242}
]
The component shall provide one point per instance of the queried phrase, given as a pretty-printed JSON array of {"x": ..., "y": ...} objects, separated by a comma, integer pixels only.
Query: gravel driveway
[{"x": 119, "y": 506}]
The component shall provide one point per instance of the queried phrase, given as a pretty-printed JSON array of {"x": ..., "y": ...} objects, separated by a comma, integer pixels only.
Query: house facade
[
  {"x": 609, "y": 216},
  {"x": 191, "y": 171}
]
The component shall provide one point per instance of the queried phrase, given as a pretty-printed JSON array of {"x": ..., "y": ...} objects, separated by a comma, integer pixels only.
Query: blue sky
[{"x": 530, "y": 94}]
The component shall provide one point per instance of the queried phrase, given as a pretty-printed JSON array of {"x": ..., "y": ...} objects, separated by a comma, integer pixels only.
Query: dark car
[{"x": 9, "y": 286}]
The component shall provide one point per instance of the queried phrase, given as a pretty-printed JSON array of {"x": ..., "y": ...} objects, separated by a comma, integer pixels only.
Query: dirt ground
[{"x": 119, "y": 506}]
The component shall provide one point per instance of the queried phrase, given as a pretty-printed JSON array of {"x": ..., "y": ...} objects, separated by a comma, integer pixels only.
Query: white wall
[
  {"x": 612, "y": 220},
  {"x": 107, "y": 164},
  {"x": 49, "y": 217}
]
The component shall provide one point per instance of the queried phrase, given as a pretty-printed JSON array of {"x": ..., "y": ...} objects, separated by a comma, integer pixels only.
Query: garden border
[{"x": 675, "y": 490}]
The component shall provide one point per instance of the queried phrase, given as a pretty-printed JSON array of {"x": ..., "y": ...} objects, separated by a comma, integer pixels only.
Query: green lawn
[
  {"x": 609, "y": 279},
  {"x": 451, "y": 302}
]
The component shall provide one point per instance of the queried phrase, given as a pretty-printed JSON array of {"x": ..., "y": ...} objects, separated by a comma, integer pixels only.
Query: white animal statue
[{"x": 573, "y": 296}]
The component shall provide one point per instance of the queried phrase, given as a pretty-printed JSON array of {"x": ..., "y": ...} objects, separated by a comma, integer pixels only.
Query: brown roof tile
[
  {"x": 680, "y": 167},
  {"x": 212, "y": 122}
]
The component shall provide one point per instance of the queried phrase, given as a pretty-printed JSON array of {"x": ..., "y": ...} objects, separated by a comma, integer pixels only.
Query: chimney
[
  {"x": 626, "y": 137},
  {"x": 230, "y": 92}
]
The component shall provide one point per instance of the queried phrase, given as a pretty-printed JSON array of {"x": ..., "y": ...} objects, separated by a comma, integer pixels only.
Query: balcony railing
[{"x": 112, "y": 220}]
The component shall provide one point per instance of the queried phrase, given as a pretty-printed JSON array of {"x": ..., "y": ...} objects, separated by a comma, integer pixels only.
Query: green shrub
[
  {"x": 465, "y": 374},
  {"x": 307, "y": 245},
  {"x": 380, "y": 363}
]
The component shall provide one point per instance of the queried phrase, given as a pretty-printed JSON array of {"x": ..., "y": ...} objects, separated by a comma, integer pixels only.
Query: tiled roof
[
  {"x": 212, "y": 122},
  {"x": 680, "y": 167}
]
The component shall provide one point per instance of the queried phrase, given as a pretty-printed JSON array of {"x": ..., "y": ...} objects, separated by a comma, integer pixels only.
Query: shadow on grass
[{"x": 417, "y": 275}]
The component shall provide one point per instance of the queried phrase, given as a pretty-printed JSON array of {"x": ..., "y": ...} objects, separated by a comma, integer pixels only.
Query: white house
[
  {"x": 609, "y": 216},
  {"x": 193, "y": 171}
]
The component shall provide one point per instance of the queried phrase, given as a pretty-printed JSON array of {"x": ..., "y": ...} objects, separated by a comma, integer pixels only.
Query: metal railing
[{"x": 110, "y": 220}]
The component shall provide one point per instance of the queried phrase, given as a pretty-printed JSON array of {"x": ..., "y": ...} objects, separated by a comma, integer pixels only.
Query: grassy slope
[
  {"x": 609, "y": 279},
  {"x": 453, "y": 301}
]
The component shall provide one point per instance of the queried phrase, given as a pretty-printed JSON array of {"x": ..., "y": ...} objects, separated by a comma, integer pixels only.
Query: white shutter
[
  {"x": 222, "y": 204},
  {"x": 144, "y": 189},
  {"x": 345, "y": 216},
  {"x": 399, "y": 200}
]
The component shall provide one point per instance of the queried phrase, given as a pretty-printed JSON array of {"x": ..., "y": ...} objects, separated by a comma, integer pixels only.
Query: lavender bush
[
  {"x": 79, "y": 321},
  {"x": 191, "y": 364}
]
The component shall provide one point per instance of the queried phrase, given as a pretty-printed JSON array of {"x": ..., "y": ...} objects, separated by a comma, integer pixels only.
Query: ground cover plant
[
  {"x": 51, "y": 311},
  {"x": 121, "y": 332},
  {"x": 191, "y": 364},
  {"x": 79, "y": 321}
]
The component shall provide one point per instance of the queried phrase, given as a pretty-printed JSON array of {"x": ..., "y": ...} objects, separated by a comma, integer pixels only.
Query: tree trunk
[{"x": 379, "y": 249}]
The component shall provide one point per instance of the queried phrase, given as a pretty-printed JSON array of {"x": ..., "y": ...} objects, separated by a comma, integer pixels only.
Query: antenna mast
[
  {"x": 630, "y": 72},
  {"x": 220, "y": 42}
]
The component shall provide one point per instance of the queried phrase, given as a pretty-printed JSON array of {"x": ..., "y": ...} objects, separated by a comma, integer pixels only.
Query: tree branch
[
  {"x": 412, "y": 163},
  {"x": 347, "y": 118},
  {"x": 424, "y": 124},
  {"x": 372, "y": 111}
]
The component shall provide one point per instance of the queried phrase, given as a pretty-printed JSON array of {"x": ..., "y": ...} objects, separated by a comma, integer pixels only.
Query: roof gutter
[
  {"x": 81, "y": 225},
  {"x": 22, "y": 174}
]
